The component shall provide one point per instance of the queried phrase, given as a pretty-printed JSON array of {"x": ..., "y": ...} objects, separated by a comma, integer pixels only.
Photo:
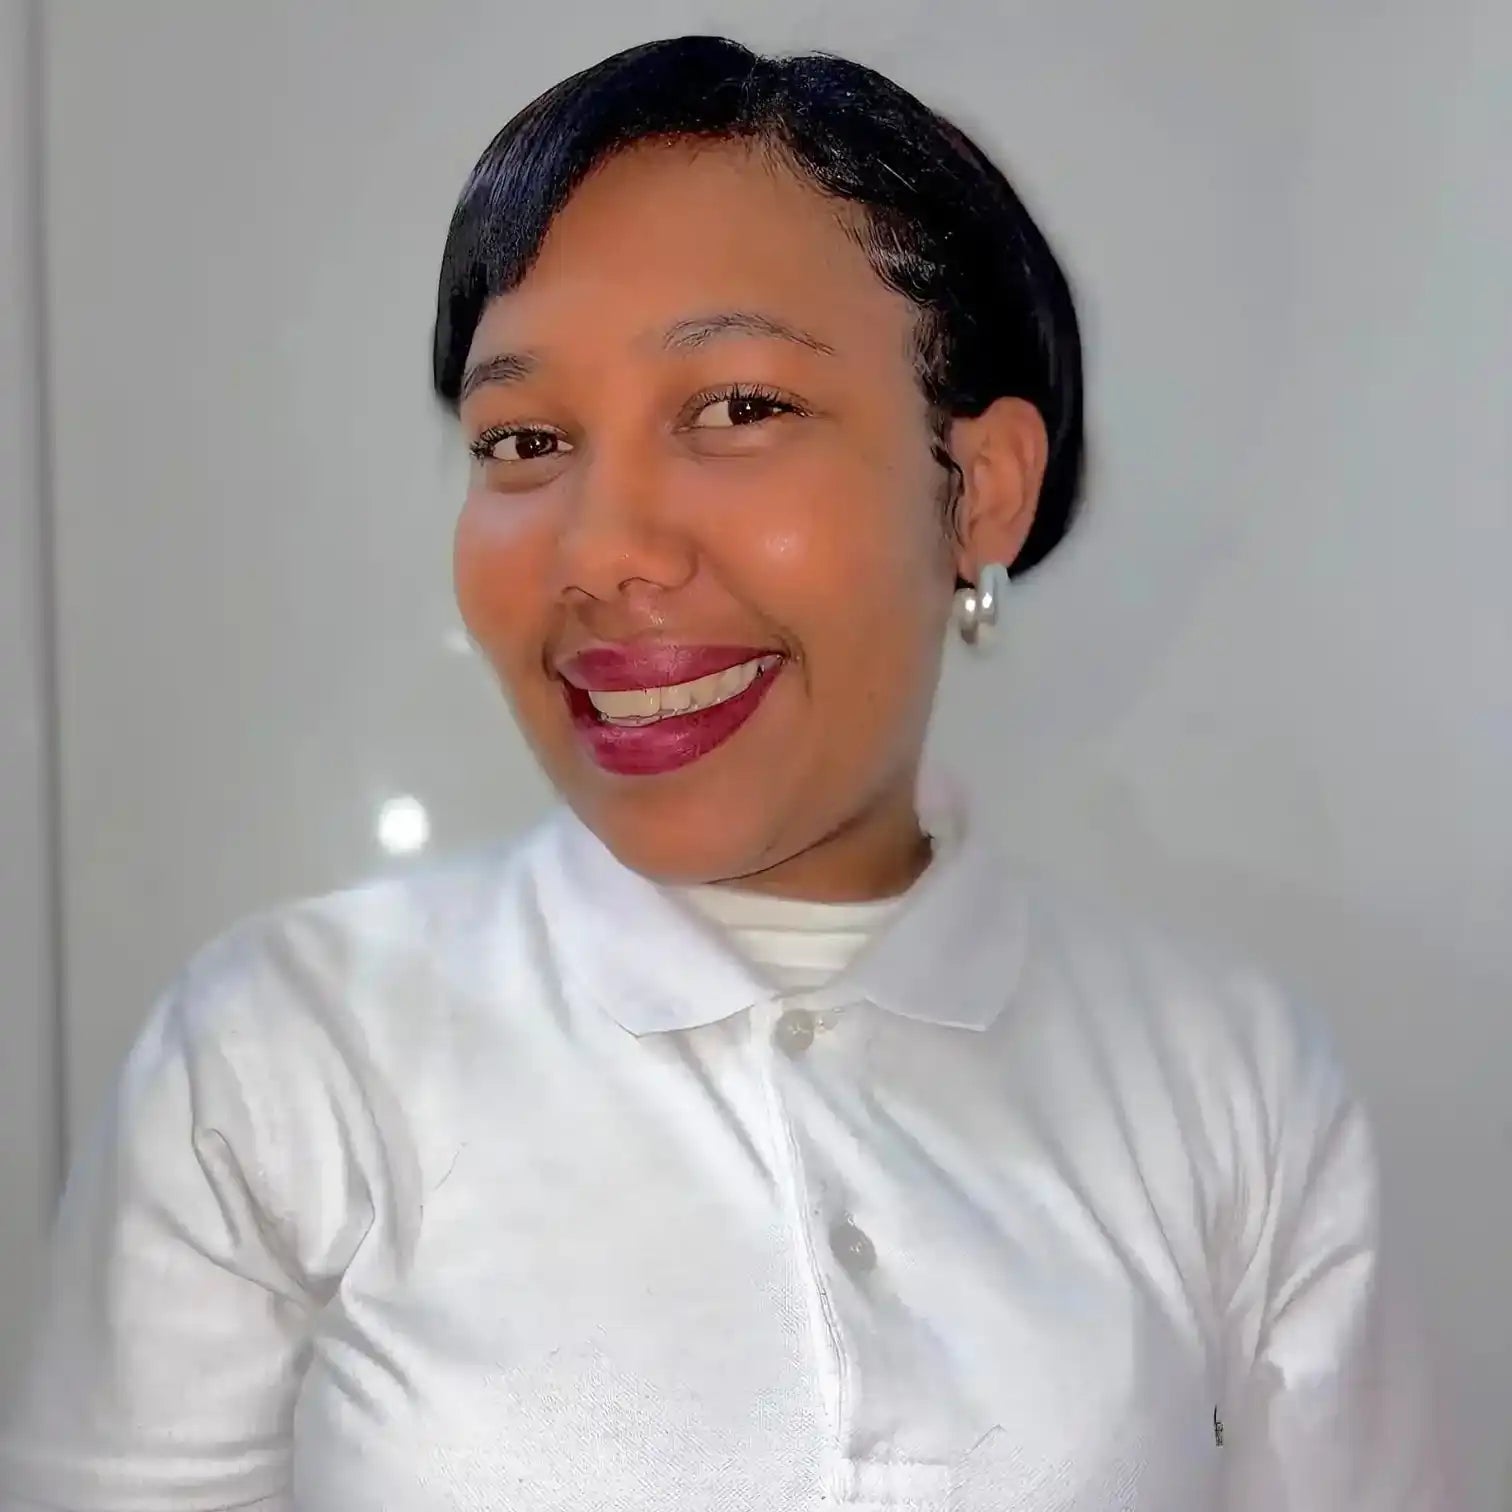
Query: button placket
[
  {"x": 791, "y": 1033},
  {"x": 849, "y": 1245}
]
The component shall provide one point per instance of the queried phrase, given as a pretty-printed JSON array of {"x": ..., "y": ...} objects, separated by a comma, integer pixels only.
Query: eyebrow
[
  {"x": 697, "y": 329},
  {"x": 681, "y": 336},
  {"x": 506, "y": 367}
]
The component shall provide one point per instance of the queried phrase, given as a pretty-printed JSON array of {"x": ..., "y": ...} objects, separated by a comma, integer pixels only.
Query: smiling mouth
[
  {"x": 632, "y": 708},
  {"x": 644, "y": 724}
]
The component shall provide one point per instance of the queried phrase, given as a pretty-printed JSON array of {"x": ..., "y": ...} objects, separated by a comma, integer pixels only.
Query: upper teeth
[{"x": 643, "y": 705}]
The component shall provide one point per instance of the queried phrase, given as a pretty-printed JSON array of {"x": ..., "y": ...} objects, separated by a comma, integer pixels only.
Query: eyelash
[
  {"x": 490, "y": 438},
  {"x": 779, "y": 402}
]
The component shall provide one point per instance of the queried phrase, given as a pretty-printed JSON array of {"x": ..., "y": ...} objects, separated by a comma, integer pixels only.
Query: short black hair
[{"x": 939, "y": 221}]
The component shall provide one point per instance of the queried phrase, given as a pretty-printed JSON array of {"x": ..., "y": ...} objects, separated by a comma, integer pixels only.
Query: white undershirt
[{"x": 797, "y": 944}]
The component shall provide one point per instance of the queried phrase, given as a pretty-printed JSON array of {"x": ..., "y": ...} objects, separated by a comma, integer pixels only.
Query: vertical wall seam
[{"x": 37, "y": 279}]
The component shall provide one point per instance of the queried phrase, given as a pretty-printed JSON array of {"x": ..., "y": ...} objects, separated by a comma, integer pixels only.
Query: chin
[{"x": 682, "y": 834}]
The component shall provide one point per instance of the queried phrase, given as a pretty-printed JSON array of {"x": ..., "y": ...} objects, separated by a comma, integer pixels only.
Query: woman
[{"x": 749, "y": 1135}]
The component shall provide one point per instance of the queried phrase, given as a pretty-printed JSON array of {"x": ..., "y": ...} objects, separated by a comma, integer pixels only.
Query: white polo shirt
[{"x": 513, "y": 1185}]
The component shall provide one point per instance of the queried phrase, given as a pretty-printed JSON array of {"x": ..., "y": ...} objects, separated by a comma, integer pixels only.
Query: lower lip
[{"x": 650, "y": 749}]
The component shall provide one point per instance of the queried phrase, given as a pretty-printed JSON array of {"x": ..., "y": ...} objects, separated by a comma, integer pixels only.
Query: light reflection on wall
[{"x": 403, "y": 826}]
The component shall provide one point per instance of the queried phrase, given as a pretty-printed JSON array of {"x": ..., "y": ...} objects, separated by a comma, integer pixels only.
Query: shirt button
[
  {"x": 795, "y": 1031},
  {"x": 852, "y": 1248}
]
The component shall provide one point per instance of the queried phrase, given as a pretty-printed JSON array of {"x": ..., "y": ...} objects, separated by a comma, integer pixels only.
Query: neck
[{"x": 877, "y": 854}]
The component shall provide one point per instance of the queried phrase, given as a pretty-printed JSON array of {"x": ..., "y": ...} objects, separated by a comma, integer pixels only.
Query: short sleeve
[
  {"x": 1335, "y": 1407},
  {"x": 170, "y": 1344}
]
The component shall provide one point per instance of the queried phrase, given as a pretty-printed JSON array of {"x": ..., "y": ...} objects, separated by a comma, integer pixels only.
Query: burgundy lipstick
[{"x": 673, "y": 740}]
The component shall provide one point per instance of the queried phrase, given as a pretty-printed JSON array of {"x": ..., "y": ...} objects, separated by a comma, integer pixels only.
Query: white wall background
[
  {"x": 29, "y": 1112},
  {"x": 1267, "y": 688}
]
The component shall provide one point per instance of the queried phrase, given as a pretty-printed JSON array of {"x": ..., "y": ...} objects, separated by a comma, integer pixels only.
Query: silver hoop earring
[{"x": 977, "y": 607}]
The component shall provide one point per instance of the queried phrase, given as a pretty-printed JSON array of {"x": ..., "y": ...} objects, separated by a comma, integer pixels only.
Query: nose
[{"x": 618, "y": 531}]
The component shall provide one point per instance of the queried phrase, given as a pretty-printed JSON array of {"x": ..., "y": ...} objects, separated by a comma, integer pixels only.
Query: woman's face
[{"x": 703, "y": 545}]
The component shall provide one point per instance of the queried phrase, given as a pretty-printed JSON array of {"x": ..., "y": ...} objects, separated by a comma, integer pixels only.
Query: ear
[{"x": 1001, "y": 454}]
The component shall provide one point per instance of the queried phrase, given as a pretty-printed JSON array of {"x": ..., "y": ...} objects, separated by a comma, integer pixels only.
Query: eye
[
  {"x": 518, "y": 443},
  {"x": 739, "y": 405}
]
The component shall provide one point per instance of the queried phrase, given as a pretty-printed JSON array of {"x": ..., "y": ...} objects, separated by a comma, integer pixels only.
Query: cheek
[
  {"x": 850, "y": 552},
  {"x": 494, "y": 561}
]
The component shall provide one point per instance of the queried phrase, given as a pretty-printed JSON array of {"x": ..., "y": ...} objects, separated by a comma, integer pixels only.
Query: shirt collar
[{"x": 951, "y": 955}]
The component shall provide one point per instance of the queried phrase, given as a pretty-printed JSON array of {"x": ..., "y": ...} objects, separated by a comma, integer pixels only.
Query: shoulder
[
  {"x": 370, "y": 971},
  {"x": 1180, "y": 1054},
  {"x": 325, "y": 1034},
  {"x": 1171, "y": 1008}
]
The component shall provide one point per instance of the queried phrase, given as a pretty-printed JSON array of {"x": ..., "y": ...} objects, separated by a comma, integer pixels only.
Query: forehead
[{"x": 660, "y": 232}]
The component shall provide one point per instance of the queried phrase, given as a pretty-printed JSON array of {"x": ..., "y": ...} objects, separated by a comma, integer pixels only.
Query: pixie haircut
[{"x": 937, "y": 220}]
